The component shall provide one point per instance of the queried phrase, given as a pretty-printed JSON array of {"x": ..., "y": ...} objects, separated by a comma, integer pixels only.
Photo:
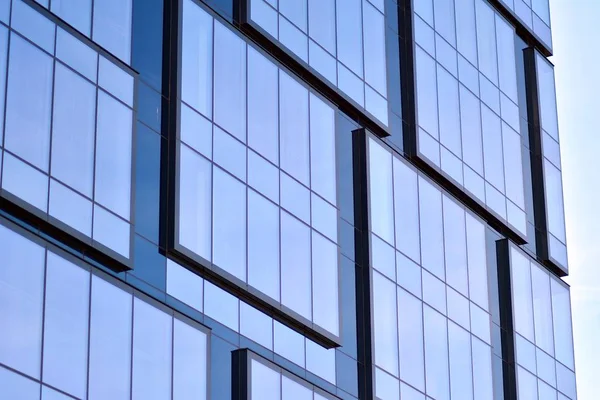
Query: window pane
[
  {"x": 51, "y": 394},
  {"x": 432, "y": 238},
  {"x": 295, "y": 11},
  {"x": 322, "y": 149},
  {"x": 471, "y": 130},
  {"x": 112, "y": 27},
  {"x": 29, "y": 99},
  {"x": 3, "y": 66},
  {"x": 321, "y": 23},
  {"x": 465, "y": 29},
  {"x": 374, "y": 58},
  {"x": 73, "y": 130},
  {"x": 221, "y": 306},
  {"x": 449, "y": 111},
  {"x": 444, "y": 19},
  {"x": 434, "y": 292},
  {"x": 381, "y": 191},
  {"x": 427, "y": 112},
  {"x": 116, "y": 81},
  {"x": 563, "y": 334},
  {"x": 263, "y": 176},
  {"x": 263, "y": 245},
  {"x": 455, "y": 245},
  {"x": 66, "y": 326},
  {"x": 70, "y": 208},
  {"x": 521, "y": 288},
  {"x": 229, "y": 224},
  {"x": 293, "y": 38},
  {"x": 33, "y": 25},
  {"x": 113, "y": 155},
  {"x": 295, "y": 197},
  {"x": 324, "y": 217},
  {"x": 461, "y": 381},
  {"x": 547, "y": 96},
  {"x": 77, "y": 13},
  {"x": 76, "y": 54},
  {"x": 526, "y": 384},
  {"x": 196, "y": 131},
  {"x": 195, "y": 203},
  {"x": 486, "y": 40},
  {"x": 506, "y": 58},
  {"x": 111, "y": 231},
  {"x": 320, "y": 361},
  {"x": 265, "y": 382},
  {"x": 196, "y": 58},
  {"x": 406, "y": 210},
  {"x": 189, "y": 362},
  {"x": 542, "y": 309},
  {"x": 15, "y": 386},
  {"x": 325, "y": 283},
  {"x": 294, "y": 124},
  {"x": 256, "y": 326},
  {"x": 288, "y": 343},
  {"x": 263, "y": 123},
  {"x": 436, "y": 354},
  {"x": 230, "y": 82},
  {"x": 295, "y": 265},
  {"x": 152, "y": 343},
  {"x": 21, "y": 300},
  {"x": 492, "y": 148},
  {"x": 554, "y": 201},
  {"x": 408, "y": 274},
  {"x": 513, "y": 165},
  {"x": 25, "y": 182},
  {"x": 458, "y": 308},
  {"x": 184, "y": 285},
  {"x": 229, "y": 153},
  {"x": 386, "y": 386},
  {"x": 349, "y": 38},
  {"x": 385, "y": 329},
  {"x": 292, "y": 390},
  {"x": 410, "y": 339},
  {"x": 482, "y": 371}
]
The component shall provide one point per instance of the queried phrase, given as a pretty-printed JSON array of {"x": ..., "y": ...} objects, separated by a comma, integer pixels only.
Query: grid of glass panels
[
  {"x": 542, "y": 331},
  {"x": 85, "y": 337},
  {"x": 553, "y": 191},
  {"x": 230, "y": 311},
  {"x": 467, "y": 102},
  {"x": 343, "y": 41},
  {"x": 257, "y": 174},
  {"x": 67, "y": 130},
  {"x": 430, "y": 305},
  {"x": 106, "y": 22},
  {"x": 535, "y": 15},
  {"x": 267, "y": 381}
]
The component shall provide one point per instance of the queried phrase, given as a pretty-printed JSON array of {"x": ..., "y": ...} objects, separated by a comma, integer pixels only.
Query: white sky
[{"x": 576, "y": 33}]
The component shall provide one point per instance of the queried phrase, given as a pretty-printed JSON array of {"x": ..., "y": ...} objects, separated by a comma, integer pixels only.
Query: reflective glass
[
  {"x": 546, "y": 369},
  {"x": 554, "y": 201},
  {"x": 382, "y": 257},
  {"x": 196, "y": 131},
  {"x": 408, "y": 274},
  {"x": 563, "y": 334},
  {"x": 547, "y": 96},
  {"x": 288, "y": 343},
  {"x": 73, "y": 130},
  {"x": 3, "y": 66},
  {"x": 15, "y": 386},
  {"x": 459, "y": 345},
  {"x": 505, "y": 35},
  {"x": 51, "y": 394},
  {"x": 492, "y": 148},
  {"x": 229, "y": 224},
  {"x": 376, "y": 104},
  {"x": 486, "y": 40},
  {"x": 436, "y": 354},
  {"x": 323, "y": 62},
  {"x": 184, "y": 285},
  {"x": 113, "y": 155},
  {"x": 471, "y": 130},
  {"x": 221, "y": 306},
  {"x": 513, "y": 165},
  {"x": 152, "y": 347},
  {"x": 190, "y": 362},
  {"x": 385, "y": 329},
  {"x": 33, "y": 25},
  {"x": 432, "y": 238},
  {"x": 263, "y": 245},
  {"x": 324, "y": 217},
  {"x": 426, "y": 92},
  {"x": 295, "y": 11},
  {"x": 381, "y": 191},
  {"x": 265, "y": 16},
  {"x": 434, "y": 292},
  {"x": 291, "y": 390},
  {"x": 465, "y": 27},
  {"x": 196, "y": 55},
  {"x": 374, "y": 57},
  {"x": 425, "y": 9},
  {"x": 77, "y": 13},
  {"x": 230, "y": 82},
  {"x": 483, "y": 382},
  {"x": 70, "y": 208},
  {"x": 525, "y": 353},
  {"x": 322, "y": 149},
  {"x": 521, "y": 288},
  {"x": 449, "y": 114},
  {"x": 265, "y": 382},
  {"x": 480, "y": 323},
  {"x": 116, "y": 81},
  {"x": 295, "y": 197},
  {"x": 110, "y": 342},
  {"x": 295, "y": 265},
  {"x": 458, "y": 308},
  {"x": 112, "y": 26},
  {"x": 263, "y": 176},
  {"x": 386, "y": 387},
  {"x": 294, "y": 128},
  {"x": 256, "y": 326},
  {"x": 410, "y": 339},
  {"x": 21, "y": 302},
  {"x": 320, "y": 361},
  {"x": 65, "y": 357},
  {"x": 262, "y": 106},
  {"x": 76, "y": 54},
  {"x": 325, "y": 283},
  {"x": 445, "y": 55},
  {"x": 321, "y": 23},
  {"x": 406, "y": 210},
  {"x": 28, "y": 104},
  {"x": 195, "y": 202},
  {"x": 526, "y": 384},
  {"x": 349, "y": 35},
  {"x": 542, "y": 309},
  {"x": 111, "y": 231},
  {"x": 25, "y": 182},
  {"x": 444, "y": 19},
  {"x": 455, "y": 246},
  {"x": 351, "y": 84},
  {"x": 293, "y": 38},
  {"x": 229, "y": 153}
]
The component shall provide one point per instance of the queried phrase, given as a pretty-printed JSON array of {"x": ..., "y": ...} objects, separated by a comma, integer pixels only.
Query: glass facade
[{"x": 281, "y": 199}]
